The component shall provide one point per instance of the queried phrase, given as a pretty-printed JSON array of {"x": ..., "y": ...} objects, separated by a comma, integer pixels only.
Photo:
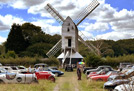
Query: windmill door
[{"x": 69, "y": 42}]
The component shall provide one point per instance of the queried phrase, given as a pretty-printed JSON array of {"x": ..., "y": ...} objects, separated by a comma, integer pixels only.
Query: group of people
[{"x": 36, "y": 69}]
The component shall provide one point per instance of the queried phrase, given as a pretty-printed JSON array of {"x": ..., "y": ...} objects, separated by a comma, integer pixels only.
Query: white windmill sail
[
  {"x": 54, "y": 13},
  {"x": 54, "y": 49},
  {"x": 88, "y": 10}
]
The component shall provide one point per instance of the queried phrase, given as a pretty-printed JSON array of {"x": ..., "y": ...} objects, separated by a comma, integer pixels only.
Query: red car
[
  {"x": 45, "y": 75},
  {"x": 102, "y": 72},
  {"x": 104, "y": 77}
]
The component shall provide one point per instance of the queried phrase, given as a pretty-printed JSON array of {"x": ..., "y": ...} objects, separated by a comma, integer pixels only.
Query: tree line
[{"x": 28, "y": 40}]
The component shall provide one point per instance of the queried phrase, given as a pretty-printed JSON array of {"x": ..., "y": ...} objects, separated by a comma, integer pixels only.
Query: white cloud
[
  {"x": 116, "y": 35},
  {"x": 121, "y": 22},
  {"x": 47, "y": 26},
  {"x": 2, "y": 39},
  {"x": 97, "y": 26},
  {"x": 7, "y": 20}
]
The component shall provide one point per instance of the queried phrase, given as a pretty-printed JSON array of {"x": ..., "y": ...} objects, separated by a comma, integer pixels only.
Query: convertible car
[
  {"x": 6, "y": 77},
  {"x": 45, "y": 75},
  {"x": 103, "y": 77},
  {"x": 102, "y": 72},
  {"x": 110, "y": 85},
  {"x": 125, "y": 87}
]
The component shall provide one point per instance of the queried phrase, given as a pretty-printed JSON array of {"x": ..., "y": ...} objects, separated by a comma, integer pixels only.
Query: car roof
[{"x": 40, "y": 64}]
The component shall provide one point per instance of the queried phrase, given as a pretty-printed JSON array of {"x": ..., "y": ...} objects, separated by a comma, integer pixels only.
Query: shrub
[{"x": 92, "y": 60}]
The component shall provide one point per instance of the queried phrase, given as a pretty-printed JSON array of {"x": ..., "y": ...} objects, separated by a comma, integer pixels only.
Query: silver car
[{"x": 6, "y": 77}]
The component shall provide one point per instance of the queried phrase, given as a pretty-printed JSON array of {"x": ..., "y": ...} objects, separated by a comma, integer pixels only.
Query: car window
[
  {"x": 21, "y": 68},
  {"x": 14, "y": 68}
]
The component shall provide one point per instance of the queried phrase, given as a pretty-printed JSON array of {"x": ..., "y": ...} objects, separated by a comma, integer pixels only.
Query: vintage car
[
  {"x": 45, "y": 75},
  {"x": 109, "y": 68},
  {"x": 6, "y": 77},
  {"x": 125, "y": 87},
  {"x": 101, "y": 72},
  {"x": 127, "y": 75},
  {"x": 87, "y": 68},
  {"x": 110, "y": 85},
  {"x": 56, "y": 72},
  {"x": 103, "y": 77},
  {"x": 12, "y": 69}
]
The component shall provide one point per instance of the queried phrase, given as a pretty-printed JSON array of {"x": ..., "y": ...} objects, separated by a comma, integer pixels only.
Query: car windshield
[
  {"x": 99, "y": 72},
  {"x": 2, "y": 70}
]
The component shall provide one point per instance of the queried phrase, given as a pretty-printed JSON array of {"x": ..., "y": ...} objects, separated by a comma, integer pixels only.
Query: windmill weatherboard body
[{"x": 70, "y": 36}]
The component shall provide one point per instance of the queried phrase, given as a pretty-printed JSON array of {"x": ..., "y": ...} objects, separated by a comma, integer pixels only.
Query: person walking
[{"x": 79, "y": 72}]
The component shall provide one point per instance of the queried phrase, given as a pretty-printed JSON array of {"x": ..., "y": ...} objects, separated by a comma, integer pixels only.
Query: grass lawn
[{"x": 67, "y": 82}]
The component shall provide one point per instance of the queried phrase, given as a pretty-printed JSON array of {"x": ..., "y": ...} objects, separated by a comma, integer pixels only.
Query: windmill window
[
  {"x": 68, "y": 24},
  {"x": 68, "y": 29},
  {"x": 72, "y": 27}
]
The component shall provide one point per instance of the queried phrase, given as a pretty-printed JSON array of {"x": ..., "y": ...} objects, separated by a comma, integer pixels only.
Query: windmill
[{"x": 71, "y": 35}]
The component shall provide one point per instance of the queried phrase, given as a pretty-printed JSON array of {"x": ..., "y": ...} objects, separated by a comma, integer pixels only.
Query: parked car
[
  {"x": 56, "y": 72},
  {"x": 123, "y": 65},
  {"x": 22, "y": 68},
  {"x": 103, "y": 77},
  {"x": 12, "y": 69},
  {"x": 125, "y": 87},
  {"x": 54, "y": 68},
  {"x": 127, "y": 75},
  {"x": 87, "y": 68},
  {"x": 101, "y": 72},
  {"x": 7, "y": 77},
  {"x": 68, "y": 67},
  {"x": 110, "y": 85},
  {"x": 109, "y": 68},
  {"x": 45, "y": 75},
  {"x": 40, "y": 65}
]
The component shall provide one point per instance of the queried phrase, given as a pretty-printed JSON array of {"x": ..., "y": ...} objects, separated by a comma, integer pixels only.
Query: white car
[
  {"x": 125, "y": 87},
  {"x": 11, "y": 69},
  {"x": 6, "y": 77}
]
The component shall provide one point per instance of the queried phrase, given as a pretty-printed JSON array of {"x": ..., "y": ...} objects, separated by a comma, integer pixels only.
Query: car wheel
[
  {"x": 56, "y": 74},
  {"x": 1, "y": 82},
  {"x": 51, "y": 78}
]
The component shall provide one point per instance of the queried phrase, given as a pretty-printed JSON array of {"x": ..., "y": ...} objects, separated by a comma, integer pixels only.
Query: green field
[{"x": 67, "y": 82}]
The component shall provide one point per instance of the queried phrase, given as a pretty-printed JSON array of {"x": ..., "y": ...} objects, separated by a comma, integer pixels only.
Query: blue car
[{"x": 56, "y": 72}]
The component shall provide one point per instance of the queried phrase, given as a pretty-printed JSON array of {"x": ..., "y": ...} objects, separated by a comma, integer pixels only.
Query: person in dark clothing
[{"x": 79, "y": 73}]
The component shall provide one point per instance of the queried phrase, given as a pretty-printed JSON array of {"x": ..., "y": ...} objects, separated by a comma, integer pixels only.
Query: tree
[
  {"x": 15, "y": 41},
  {"x": 29, "y": 31},
  {"x": 92, "y": 60}
]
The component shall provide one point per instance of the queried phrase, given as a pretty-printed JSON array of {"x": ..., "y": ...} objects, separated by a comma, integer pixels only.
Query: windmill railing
[{"x": 83, "y": 39}]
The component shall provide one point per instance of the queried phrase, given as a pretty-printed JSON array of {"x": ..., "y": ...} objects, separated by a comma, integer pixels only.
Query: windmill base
[{"x": 73, "y": 61}]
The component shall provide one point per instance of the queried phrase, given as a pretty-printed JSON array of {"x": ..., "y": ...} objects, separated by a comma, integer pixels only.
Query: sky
[{"x": 112, "y": 19}]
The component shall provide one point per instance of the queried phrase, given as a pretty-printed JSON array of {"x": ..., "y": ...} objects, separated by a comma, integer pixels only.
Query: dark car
[
  {"x": 40, "y": 65},
  {"x": 109, "y": 68},
  {"x": 56, "y": 72},
  {"x": 87, "y": 68},
  {"x": 68, "y": 67},
  {"x": 110, "y": 85}
]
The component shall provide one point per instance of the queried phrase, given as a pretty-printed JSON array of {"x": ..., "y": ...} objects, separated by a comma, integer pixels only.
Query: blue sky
[{"x": 112, "y": 19}]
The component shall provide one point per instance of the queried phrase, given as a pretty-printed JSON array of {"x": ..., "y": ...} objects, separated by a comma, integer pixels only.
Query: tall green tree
[
  {"x": 29, "y": 31},
  {"x": 15, "y": 41}
]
